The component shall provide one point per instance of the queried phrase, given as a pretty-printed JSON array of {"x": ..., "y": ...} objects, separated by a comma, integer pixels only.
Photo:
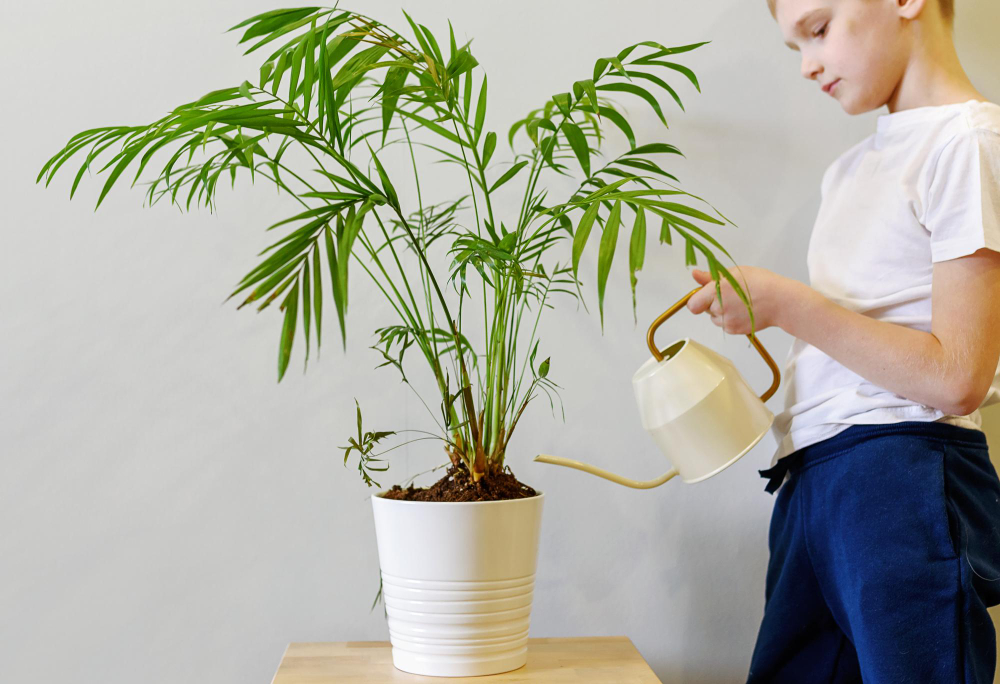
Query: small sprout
[
  {"x": 543, "y": 370},
  {"x": 364, "y": 444}
]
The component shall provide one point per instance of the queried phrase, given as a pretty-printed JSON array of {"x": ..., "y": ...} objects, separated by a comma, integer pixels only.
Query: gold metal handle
[{"x": 753, "y": 339}]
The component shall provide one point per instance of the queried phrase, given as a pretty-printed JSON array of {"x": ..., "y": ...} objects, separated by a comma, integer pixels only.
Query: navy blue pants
[{"x": 884, "y": 556}]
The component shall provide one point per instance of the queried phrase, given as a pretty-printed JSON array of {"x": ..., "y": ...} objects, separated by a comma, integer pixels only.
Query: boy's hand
[{"x": 763, "y": 286}]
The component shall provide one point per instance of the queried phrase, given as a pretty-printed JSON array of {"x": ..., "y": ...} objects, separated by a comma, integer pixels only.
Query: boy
[{"x": 885, "y": 536}]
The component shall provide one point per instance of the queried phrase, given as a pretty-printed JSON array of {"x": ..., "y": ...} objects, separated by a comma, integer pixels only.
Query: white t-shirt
[{"x": 925, "y": 187}]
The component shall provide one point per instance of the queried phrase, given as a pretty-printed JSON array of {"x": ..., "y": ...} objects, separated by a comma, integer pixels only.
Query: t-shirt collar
[{"x": 905, "y": 117}]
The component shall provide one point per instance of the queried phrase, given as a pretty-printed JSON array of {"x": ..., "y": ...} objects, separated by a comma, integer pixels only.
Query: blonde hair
[{"x": 947, "y": 9}]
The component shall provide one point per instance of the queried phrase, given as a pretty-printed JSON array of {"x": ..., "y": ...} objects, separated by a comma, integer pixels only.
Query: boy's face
[{"x": 857, "y": 45}]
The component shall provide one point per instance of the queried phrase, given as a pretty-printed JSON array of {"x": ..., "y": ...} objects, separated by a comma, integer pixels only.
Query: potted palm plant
[{"x": 457, "y": 559}]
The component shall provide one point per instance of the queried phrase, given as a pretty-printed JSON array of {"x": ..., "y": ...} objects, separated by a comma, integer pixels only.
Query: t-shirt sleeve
[{"x": 963, "y": 199}]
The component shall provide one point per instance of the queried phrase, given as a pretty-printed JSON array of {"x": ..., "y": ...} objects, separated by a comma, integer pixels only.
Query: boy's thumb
[{"x": 700, "y": 276}]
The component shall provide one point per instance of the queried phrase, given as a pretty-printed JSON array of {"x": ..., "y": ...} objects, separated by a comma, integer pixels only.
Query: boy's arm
[{"x": 950, "y": 368}]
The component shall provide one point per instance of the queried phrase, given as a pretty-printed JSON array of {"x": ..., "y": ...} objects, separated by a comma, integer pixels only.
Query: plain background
[{"x": 169, "y": 513}]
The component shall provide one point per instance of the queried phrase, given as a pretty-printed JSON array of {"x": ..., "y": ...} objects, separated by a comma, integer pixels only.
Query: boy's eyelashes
[{"x": 820, "y": 33}]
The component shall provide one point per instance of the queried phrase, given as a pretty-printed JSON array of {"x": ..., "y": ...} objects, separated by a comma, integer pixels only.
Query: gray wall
[{"x": 171, "y": 514}]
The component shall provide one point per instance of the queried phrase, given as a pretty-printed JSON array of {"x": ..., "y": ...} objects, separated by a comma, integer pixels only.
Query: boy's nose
[{"x": 810, "y": 69}]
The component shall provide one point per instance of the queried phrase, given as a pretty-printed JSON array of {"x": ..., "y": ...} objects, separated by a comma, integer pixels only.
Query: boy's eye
[{"x": 821, "y": 32}]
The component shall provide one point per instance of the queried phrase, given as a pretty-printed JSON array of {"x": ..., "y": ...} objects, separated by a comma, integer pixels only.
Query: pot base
[{"x": 457, "y": 666}]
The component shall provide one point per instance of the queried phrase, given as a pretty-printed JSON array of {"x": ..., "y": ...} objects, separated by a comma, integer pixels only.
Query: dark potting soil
[{"x": 457, "y": 485}]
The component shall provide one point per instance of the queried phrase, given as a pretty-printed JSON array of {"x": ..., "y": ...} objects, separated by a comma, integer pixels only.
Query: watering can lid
[
  {"x": 651, "y": 365},
  {"x": 666, "y": 389}
]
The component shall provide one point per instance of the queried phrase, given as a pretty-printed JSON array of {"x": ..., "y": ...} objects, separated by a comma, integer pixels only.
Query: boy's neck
[{"x": 933, "y": 76}]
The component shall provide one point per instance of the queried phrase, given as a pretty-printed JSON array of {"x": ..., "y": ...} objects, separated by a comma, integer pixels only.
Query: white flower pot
[{"x": 457, "y": 581}]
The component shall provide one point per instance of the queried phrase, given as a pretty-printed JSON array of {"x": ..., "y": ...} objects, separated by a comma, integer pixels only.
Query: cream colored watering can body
[{"x": 696, "y": 406}]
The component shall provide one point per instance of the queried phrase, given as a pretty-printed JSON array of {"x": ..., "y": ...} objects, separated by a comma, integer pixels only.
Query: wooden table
[{"x": 563, "y": 660}]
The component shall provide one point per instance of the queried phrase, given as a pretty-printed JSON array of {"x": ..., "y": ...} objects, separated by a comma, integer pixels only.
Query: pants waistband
[{"x": 847, "y": 439}]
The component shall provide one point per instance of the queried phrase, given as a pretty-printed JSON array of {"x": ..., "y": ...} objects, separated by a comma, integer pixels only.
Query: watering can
[{"x": 698, "y": 408}]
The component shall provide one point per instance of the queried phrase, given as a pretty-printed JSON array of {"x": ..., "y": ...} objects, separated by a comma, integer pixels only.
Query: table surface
[{"x": 551, "y": 660}]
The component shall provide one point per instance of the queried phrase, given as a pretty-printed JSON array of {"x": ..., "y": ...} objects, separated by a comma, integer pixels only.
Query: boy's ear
[{"x": 910, "y": 9}]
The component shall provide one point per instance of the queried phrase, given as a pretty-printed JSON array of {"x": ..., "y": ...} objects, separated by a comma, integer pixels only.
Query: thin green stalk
[
  {"x": 541, "y": 307},
  {"x": 479, "y": 232},
  {"x": 409, "y": 321},
  {"x": 418, "y": 439},
  {"x": 423, "y": 226},
  {"x": 533, "y": 175},
  {"x": 430, "y": 272},
  {"x": 399, "y": 266},
  {"x": 490, "y": 400}
]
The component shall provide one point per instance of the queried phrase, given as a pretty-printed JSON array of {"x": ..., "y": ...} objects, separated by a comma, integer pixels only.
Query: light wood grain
[{"x": 562, "y": 660}]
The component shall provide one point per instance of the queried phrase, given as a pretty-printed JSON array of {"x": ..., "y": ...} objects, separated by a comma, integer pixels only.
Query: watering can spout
[{"x": 600, "y": 472}]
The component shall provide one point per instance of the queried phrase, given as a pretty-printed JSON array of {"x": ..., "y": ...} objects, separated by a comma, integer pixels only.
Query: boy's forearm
[{"x": 912, "y": 363}]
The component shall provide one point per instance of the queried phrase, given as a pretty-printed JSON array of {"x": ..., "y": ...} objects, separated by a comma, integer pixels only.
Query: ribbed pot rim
[{"x": 378, "y": 495}]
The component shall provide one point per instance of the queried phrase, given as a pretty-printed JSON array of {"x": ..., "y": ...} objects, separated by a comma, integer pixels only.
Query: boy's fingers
[
  {"x": 701, "y": 299},
  {"x": 692, "y": 302},
  {"x": 701, "y": 276}
]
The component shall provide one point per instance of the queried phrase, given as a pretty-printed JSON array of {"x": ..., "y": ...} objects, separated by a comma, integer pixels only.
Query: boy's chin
[
  {"x": 852, "y": 106},
  {"x": 858, "y": 105}
]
